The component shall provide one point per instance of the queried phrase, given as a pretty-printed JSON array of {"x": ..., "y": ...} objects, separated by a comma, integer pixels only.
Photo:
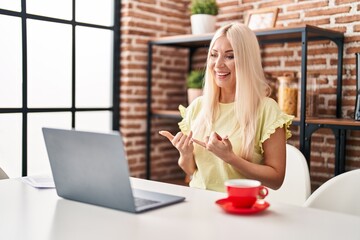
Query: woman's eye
[{"x": 230, "y": 57}]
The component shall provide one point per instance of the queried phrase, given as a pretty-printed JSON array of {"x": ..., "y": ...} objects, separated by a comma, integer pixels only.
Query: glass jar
[
  {"x": 312, "y": 96},
  {"x": 287, "y": 94}
]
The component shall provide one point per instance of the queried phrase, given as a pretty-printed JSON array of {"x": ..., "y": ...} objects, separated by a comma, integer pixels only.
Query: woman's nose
[{"x": 219, "y": 62}]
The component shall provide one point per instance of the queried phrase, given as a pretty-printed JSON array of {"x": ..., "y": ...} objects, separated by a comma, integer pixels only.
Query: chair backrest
[
  {"x": 340, "y": 194},
  {"x": 296, "y": 187},
  {"x": 3, "y": 175}
]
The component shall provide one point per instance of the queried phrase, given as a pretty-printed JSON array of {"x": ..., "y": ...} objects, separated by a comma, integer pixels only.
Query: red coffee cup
[{"x": 243, "y": 193}]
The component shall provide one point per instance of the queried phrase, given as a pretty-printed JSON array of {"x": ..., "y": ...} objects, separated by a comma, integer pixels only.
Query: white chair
[
  {"x": 3, "y": 175},
  {"x": 296, "y": 187},
  {"x": 340, "y": 194}
]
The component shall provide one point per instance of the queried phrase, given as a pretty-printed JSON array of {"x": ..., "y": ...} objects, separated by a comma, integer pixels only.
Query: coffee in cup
[{"x": 243, "y": 193}]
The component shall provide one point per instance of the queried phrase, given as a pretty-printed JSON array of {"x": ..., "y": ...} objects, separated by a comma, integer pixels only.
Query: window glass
[
  {"x": 50, "y": 8},
  {"x": 100, "y": 12},
  {"x": 38, "y": 163},
  {"x": 11, "y": 144},
  {"x": 49, "y": 64},
  {"x": 93, "y": 67},
  {"x": 10, "y": 62},
  {"x": 13, "y": 5},
  {"x": 99, "y": 121}
]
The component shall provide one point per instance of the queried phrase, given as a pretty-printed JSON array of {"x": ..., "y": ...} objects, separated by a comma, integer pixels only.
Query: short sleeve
[
  {"x": 188, "y": 115},
  {"x": 184, "y": 125},
  {"x": 271, "y": 118}
]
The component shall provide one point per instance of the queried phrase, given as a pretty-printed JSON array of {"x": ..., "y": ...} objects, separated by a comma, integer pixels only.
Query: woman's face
[{"x": 222, "y": 64}]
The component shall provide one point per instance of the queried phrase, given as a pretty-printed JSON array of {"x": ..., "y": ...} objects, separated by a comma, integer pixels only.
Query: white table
[{"x": 29, "y": 213}]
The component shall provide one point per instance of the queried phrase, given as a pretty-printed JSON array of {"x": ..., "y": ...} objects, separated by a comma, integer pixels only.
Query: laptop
[{"x": 92, "y": 168}]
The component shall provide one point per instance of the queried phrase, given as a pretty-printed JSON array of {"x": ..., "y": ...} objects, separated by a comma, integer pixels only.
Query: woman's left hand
[{"x": 219, "y": 146}]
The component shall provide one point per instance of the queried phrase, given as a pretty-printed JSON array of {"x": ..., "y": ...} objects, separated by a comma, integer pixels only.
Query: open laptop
[{"x": 93, "y": 168}]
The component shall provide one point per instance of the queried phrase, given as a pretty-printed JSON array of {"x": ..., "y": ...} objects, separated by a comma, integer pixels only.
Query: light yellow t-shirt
[{"x": 211, "y": 171}]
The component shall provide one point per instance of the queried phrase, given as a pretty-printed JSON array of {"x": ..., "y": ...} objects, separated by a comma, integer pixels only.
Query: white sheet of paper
[{"x": 39, "y": 181}]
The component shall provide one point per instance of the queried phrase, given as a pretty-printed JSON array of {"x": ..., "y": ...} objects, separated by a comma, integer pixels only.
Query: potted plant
[
  {"x": 194, "y": 83},
  {"x": 203, "y": 16}
]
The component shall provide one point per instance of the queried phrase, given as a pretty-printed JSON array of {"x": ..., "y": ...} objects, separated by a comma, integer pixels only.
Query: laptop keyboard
[{"x": 140, "y": 202}]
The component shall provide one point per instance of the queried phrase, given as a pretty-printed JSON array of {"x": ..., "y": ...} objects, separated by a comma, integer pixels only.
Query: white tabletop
[{"x": 30, "y": 213}]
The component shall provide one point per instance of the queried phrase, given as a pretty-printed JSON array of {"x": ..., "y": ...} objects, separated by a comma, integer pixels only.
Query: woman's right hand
[
  {"x": 184, "y": 144},
  {"x": 181, "y": 142}
]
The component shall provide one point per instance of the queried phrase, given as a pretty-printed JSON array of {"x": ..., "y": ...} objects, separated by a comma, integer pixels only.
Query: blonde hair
[{"x": 251, "y": 86}]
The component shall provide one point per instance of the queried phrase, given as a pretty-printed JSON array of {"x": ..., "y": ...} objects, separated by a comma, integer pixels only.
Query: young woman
[{"x": 234, "y": 130}]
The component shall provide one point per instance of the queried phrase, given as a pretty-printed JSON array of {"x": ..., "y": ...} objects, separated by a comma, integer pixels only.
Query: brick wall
[
  {"x": 146, "y": 19},
  {"x": 141, "y": 21}
]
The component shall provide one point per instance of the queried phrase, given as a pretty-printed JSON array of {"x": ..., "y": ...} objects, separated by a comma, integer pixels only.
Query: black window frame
[{"x": 24, "y": 110}]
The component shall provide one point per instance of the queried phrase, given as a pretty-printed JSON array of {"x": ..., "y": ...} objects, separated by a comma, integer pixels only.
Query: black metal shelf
[
  {"x": 267, "y": 36},
  {"x": 303, "y": 34},
  {"x": 339, "y": 126}
]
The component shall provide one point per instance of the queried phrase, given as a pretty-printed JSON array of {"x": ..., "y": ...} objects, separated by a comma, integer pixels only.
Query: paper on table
[{"x": 39, "y": 182}]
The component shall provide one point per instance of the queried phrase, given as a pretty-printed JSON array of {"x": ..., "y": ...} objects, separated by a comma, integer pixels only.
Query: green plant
[
  {"x": 204, "y": 7},
  {"x": 195, "y": 79}
]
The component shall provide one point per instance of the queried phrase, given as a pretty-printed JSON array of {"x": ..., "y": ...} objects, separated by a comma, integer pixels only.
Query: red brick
[
  {"x": 348, "y": 19},
  {"x": 329, "y": 11},
  {"x": 290, "y": 16},
  {"x": 339, "y": 2},
  {"x": 305, "y": 5},
  {"x": 277, "y": 3}
]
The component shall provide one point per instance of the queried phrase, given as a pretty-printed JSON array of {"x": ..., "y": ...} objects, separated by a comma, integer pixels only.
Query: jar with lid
[{"x": 287, "y": 94}]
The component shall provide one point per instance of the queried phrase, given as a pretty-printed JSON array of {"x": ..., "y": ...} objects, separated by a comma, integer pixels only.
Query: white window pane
[
  {"x": 49, "y": 64},
  {"x": 93, "y": 67},
  {"x": 38, "y": 163},
  {"x": 100, "y": 12},
  {"x": 10, "y": 62},
  {"x": 50, "y": 8},
  {"x": 14, "y": 5},
  {"x": 94, "y": 121},
  {"x": 11, "y": 144}
]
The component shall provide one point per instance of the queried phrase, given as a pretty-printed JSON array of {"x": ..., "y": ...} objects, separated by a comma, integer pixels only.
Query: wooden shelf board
[
  {"x": 334, "y": 121},
  {"x": 166, "y": 113}
]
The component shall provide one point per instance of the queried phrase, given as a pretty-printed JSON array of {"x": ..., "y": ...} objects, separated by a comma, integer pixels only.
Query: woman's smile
[{"x": 222, "y": 75}]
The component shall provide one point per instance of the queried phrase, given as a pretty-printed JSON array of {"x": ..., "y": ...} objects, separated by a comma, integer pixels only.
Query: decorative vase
[
  {"x": 193, "y": 93},
  {"x": 357, "y": 102},
  {"x": 202, "y": 23}
]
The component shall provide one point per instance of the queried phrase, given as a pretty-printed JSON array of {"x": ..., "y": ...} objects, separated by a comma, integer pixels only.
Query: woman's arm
[
  {"x": 187, "y": 164},
  {"x": 271, "y": 173}
]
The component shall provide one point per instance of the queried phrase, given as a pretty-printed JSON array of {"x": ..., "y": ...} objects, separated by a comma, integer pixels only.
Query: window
[{"x": 59, "y": 68}]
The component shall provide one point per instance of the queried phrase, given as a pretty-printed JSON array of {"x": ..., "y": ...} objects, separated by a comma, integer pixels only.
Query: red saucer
[{"x": 227, "y": 206}]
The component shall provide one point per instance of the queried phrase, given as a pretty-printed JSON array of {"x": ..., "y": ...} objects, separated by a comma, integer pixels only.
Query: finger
[
  {"x": 167, "y": 134},
  {"x": 179, "y": 139},
  {"x": 213, "y": 138},
  {"x": 226, "y": 140},
  {"x": 217, "y": 136},
  {"x": 188, "y": 139},
  {"x": 199, "y": 142}
]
